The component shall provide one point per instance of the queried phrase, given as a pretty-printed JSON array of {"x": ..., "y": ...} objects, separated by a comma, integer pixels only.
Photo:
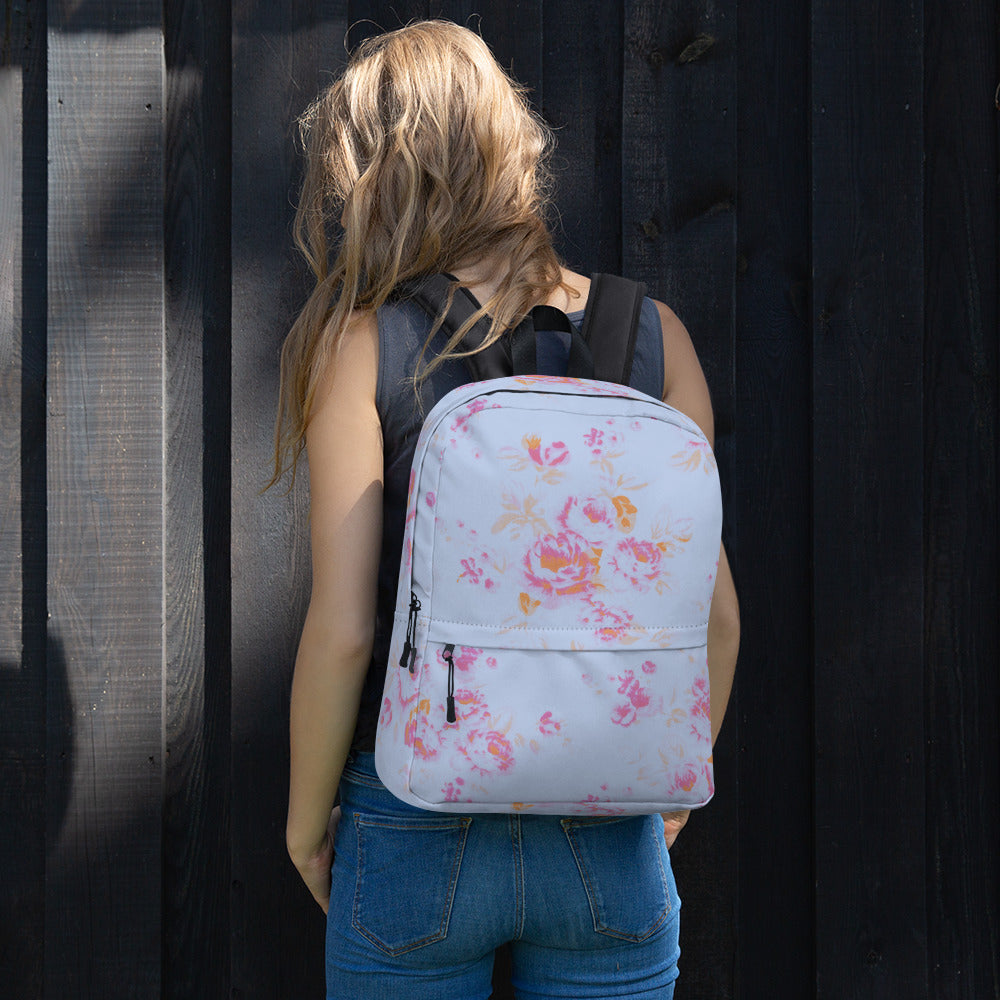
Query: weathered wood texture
[
  {"x": 811, "y": 187},
  {"x": 679, "y": 236},
  {"x": 196, "y": 790},
  {"x": 11, "y": 99},
  {"x": 22, "y": 679},
  {"x": 772, "y": 505},
  {"x": 282, "y": 54},
  {"x": 105, "y": 493},
  {"x": 961, "y": 623},
  {"x": 867, "y": 325}
]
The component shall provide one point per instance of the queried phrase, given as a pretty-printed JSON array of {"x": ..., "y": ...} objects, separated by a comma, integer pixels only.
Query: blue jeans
[{"x": 420, "y": 900}]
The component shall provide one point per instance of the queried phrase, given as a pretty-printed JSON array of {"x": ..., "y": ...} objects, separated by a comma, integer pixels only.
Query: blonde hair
[{"x": 432, "y": 160}]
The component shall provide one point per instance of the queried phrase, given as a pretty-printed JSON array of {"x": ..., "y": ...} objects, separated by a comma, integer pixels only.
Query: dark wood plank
[
  {"x": 22, "y": 661},
  {"x": 961, "y": 600},
  {"x": 583, "y": 85},
  {"x": 773, "y": 505},
  {"x": 868, "y": 499},
  {"x": 196, "y": 891},
  {"x": 282, "y": 55},
  {"x": 678, "y": 218},
  {"x": 105, "y": 488}
]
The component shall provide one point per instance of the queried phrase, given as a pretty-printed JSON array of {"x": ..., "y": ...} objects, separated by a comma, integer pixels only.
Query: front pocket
[
  {"x": 408, "y": 870},
  {"x": 565, "y": 730},
  {"x": 620, "y": 861}
]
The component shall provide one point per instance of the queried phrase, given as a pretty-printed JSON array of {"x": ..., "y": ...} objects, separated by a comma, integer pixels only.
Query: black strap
[
  {"x": 604, "y": 350},
  {"x": 580, "y": 363},
  {"x": 431, "y": 294},
  {"x": 611, "y": 324}
]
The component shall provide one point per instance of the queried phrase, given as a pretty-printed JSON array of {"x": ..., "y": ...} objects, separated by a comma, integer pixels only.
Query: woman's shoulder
[
  {"x": 351, "y": 365},
  {"x": 572, "y": 296}
]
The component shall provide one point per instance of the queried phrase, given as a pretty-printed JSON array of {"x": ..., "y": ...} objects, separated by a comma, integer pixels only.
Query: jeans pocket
[
  {"x": 621, "y": 863},
  {"x": 406, "y": 877}
]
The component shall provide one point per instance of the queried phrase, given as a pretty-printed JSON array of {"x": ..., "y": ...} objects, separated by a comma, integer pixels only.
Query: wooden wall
[{"x": 812, "y": 186}]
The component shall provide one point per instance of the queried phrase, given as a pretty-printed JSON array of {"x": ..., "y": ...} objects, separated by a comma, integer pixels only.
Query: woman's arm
[
  {"x": 685, "y": 389},
  {"x": 344, "y": 445}
]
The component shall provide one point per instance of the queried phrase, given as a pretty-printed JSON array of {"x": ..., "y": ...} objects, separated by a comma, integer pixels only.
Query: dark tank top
[{"x": 402, "y": 330}]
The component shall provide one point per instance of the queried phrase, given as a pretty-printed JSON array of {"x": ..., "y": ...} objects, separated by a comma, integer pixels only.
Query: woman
[{"x": 429, "y": 157}]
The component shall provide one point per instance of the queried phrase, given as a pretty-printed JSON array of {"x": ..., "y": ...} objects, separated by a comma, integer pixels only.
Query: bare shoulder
[
  {"x": 684, "y": 385},
  {"x": 350, "y": 373}
]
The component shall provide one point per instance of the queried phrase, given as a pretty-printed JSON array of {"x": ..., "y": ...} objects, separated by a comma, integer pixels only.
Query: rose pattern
[
  {"x": 636, "y": 564},
  {"x": 552, "y": 547},
  {"x": 592, "y": 518},
  {"x": 560, "y": 565}
]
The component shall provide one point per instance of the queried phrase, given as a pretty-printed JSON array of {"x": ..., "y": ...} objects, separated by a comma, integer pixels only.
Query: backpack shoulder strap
[
  {"x": 611, "y": 324},
  {"x": 431, "y": 294}
]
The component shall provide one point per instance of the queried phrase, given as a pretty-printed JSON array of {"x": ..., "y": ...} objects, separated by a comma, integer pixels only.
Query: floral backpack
[{"x": 548, "y": 652}]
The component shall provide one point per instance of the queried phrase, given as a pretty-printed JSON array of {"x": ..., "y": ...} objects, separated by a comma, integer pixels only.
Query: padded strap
[
  {"x": 603, "y": 351},
  {"x": 611, "y": 324},
  {"x": 431, "y": 294}
]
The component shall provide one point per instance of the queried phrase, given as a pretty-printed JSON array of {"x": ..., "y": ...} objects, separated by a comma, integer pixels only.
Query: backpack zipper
[
  {"x": 408, "y": 659},
  {"x": 448, "y": 655}
]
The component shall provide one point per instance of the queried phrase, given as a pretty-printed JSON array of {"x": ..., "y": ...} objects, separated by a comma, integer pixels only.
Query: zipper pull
[
  {"x": 448, "y": 655},
  {"x": 409, "y": 656}
]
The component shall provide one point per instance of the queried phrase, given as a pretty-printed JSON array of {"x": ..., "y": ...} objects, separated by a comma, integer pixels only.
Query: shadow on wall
[{"x": 37, "y": 753}]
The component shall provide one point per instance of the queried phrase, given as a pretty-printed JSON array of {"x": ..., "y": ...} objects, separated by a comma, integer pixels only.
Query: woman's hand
[
  {"x": 673, "y": 823},
  {"x": 315, "y": 866}
]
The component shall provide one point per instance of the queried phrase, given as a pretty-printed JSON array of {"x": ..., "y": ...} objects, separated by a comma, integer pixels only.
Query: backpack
[{"x": 548, "y": 652}]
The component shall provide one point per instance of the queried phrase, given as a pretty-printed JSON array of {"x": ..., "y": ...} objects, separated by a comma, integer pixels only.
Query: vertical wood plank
[
  {"x": 583, "y": 98},
  {"x": 196, "y": 902},
  {"x": 678, "y": 218},
  {"x": 773, "y": 504},
  {"x": 282, "y": 55},
  {"x": 11, "y": 127},
  {"x": 868, "y": 499},
  {"x": 105, "y": 495},
  {"x": 961, "y": 600},
  {"x": 22, "y": 669}
]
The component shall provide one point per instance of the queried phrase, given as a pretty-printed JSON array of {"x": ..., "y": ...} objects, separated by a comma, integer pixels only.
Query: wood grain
[
  {"x": 105, "y": 496},
  {"x": 282, "y": 55},
  {"x": 868, "y": 500},
  {"x": 582, "y": 103},
  {"x": 22, "y": 676},
  {"x": 773, "y": 503},
  {"x": 10, "y": 357},
  {"x": 196, "y": 830},
  {"x": 960, "y": 458},
  {"x": 845, "y": 308},
  {"x": 678, "y": 217}
]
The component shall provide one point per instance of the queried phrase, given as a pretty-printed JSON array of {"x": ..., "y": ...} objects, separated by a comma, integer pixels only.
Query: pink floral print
[
  {"x": 637, "y": 564},
  {"x": 571, "y": 544},
  {"x": 592, "y": 518},
  {"x": 547, "y": 725},
  {"x": 638, "y": 701},
  {"x": 546, "y": 460},
  {"x": 695, "y": 455},
  {"x": 559, "y": 565}
]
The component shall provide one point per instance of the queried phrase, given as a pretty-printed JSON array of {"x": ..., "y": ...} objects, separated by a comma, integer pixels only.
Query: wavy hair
[{"x": 429, "y": 157}]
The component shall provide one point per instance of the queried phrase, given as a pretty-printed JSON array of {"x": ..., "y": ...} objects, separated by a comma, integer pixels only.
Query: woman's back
[{"x": 429, "y": 158}]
